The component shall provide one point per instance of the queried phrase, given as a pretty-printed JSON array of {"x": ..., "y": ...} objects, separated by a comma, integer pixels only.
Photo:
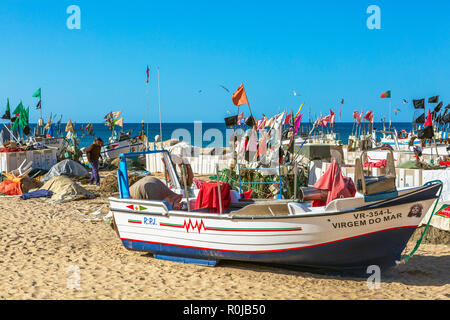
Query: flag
[
  {"x": 7, "y": 114},
  {"x": 419, "y": 104},
  {"x": 438, "y": 107},
  {"x": 239, "y": 96},
  {"x": 404, "y": 101},
  {"x": 433, "y": 99},
  {"x": 148, "y": 74},
  {"x": 116, "y": 114},
  {"x": 420, "y": 119},
  {"x": 299, "y": 109},
  {"x": 428, "y": 123},
  {"x": 369, "y": 116},
  {"x": 288, "y": 119},
  {"x": 37, "y": 94},
  {"x": 342, "y": 101},
  {"x": 119, "y": 122},
  {"x": 18, "y": 110},
  {"x": 69, "y": 126},
  {"x": 297, "y": 122},
  {"x": 38, "y": 106},
  {"x": 250, "y": 121},
  {"x": 88, "y": 128},
  {"x": 386, "y": 94},
  {"x": 261, "y": 123},
  {"x": 269, "y": 122},
  {"x": 240, "y": 118},
  {"x": 47, "y": 126},
  {"x": 426, "y": 133},
  {"x": 231, "y": 121},
  {"x": 356, "y": 116},
  {"x": 329, "y": 118}
]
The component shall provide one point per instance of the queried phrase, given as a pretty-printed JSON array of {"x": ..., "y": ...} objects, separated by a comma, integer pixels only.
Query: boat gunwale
[{"x": 377, "y": 205}]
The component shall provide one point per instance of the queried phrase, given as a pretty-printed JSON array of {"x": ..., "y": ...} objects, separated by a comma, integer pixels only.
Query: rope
[{"x": 428, "y": 223}]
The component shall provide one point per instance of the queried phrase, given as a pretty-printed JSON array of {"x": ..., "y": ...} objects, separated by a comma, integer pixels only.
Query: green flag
[
  {"x": 37, "y": 94},
  {"x": 19, "y": 109}
]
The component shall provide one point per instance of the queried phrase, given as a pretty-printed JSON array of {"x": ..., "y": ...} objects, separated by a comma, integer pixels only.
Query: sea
[{"x": 204, "y": 134}]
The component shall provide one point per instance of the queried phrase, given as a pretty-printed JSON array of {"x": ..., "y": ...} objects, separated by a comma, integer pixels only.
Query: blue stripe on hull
[{"x": 351, "y": 255}]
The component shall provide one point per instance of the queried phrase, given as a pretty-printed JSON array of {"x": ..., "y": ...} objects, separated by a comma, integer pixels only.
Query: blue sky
[{"x": 324, "y": 51}]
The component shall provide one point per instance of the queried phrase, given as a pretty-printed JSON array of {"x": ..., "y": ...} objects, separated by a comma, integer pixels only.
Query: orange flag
[{"x": 239, "y": 97}]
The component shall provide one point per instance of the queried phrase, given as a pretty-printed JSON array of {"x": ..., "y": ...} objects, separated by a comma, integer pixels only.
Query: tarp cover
[
  {"x": 10, "y": 188},
  {"x": 66, "y": 167},
  {"x": 64, "y": 190},
  {"x": 336, "y": 184},
  {"x": 5, "y": 136}
]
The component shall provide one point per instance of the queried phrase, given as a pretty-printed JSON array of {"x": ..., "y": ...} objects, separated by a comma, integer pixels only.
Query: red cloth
[
  {"x": 247, "y": 194},
  {"x": 10, "y": 188},
  {"x": 444, "y": 163},
  {"x": 208, "y": 197},
  {"x": 378, "y": 164},
  {"x": 337, "y": 185},
  {"x": 8, "y": 150}
]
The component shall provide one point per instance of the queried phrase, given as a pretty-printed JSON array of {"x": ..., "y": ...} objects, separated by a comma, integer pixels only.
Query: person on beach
[
  {"x": 93, "y": 154},
  {"x": 151, "y": 188}
]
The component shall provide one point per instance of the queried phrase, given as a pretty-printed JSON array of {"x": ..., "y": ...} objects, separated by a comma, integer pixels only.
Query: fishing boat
[
  {"x": 120, "y": 141},
  {"x": 346, "y": 235}
]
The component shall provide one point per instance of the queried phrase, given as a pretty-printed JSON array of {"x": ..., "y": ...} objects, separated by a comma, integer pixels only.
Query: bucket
[{"x": 311, "y": 193}]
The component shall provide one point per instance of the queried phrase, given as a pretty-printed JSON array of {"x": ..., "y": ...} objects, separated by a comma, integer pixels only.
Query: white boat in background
[
  {"x": 347, "y": 235},
  {"x": 401, "y": 141}
]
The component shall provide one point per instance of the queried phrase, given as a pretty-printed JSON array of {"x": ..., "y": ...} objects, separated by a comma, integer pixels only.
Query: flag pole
[
  {"x": 148, "y": 111},
  {"x": 40, "y": 100},
  {"x": 159, "y": 103}
]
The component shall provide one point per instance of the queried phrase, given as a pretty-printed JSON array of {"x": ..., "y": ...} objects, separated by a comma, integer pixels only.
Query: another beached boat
[{"x": 347, "y": 235}]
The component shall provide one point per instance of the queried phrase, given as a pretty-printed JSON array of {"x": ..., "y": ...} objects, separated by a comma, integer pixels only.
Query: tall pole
[
  {"x": 148, "y": 112},
  {"x": 40, "y": 99},
  {"x": 159, "y": 103}
]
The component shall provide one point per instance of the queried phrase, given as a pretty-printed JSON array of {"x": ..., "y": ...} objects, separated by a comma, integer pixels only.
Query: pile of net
[
  {"x": 64, "y": 190},
  {"x": 109, "y": 184},
  {"x": 66, "y": 167}
]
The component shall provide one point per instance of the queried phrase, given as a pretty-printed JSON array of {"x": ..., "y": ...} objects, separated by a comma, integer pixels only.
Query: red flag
[
  {"x": 288, "y": 119},
  {"x": 356, "y": 116},
  {"x": 369, "y": 116},
  {"x": 147, "y": 73},
  {"x": 428, "y": 123},
  {"x": 239, "y": 97}
]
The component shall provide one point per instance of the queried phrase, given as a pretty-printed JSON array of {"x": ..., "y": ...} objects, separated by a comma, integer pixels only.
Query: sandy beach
[{"x": 43, "y": 247}]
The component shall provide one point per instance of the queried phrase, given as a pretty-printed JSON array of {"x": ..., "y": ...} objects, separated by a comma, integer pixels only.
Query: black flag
[
  {"x": 448, "y": 106},
  {"x": 421, "y": 119},
  {"x": 7, "y": 115},
  {"x": 447, "y": 118},
  {"x": 38, "y": 106},
  {"x": 419, "y": 104},
  {"x": 250, "y": 121},
  {"x": 231, "y": 121},
  {"x": 438, "y": 107},
  {"x": 426, "y": 133},
  {"x": 433, "y": 99}
]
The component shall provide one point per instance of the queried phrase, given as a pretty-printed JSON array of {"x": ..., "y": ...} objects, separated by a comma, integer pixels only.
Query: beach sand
[{"x": 43, "y": 247}]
